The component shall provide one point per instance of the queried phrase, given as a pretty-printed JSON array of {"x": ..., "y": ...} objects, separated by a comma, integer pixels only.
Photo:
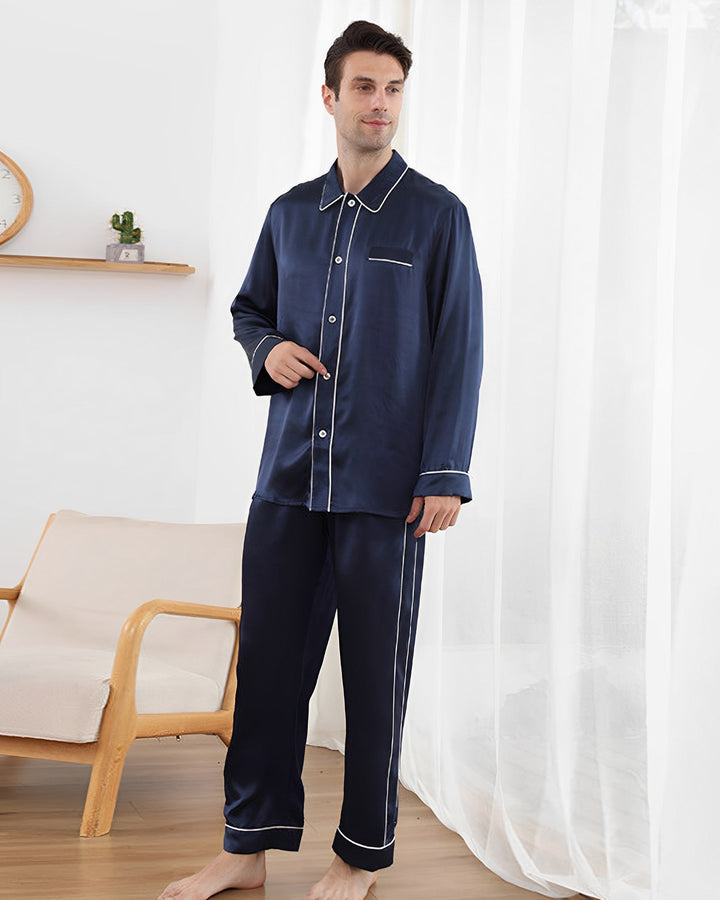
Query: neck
[{"x": 357, "y": 170}]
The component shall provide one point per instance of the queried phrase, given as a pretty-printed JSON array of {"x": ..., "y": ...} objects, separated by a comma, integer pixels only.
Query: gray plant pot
[{"x": 125, "y": 253}]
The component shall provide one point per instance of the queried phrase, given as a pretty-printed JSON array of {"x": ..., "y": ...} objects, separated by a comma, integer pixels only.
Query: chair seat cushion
[{"x": 60, "y": 696}]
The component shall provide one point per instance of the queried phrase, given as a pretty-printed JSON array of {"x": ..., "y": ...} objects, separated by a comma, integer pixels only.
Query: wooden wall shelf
[{"x": 64, "y": 262}]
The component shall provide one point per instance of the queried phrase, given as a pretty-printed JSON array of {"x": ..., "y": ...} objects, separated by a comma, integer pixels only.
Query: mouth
[{"x": 376, "y": 123}]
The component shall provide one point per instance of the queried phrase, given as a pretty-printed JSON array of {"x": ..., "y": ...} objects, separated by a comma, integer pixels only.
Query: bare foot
[
  {"x": 343, "y": 882},
  {"x": 228, "y": 870}
]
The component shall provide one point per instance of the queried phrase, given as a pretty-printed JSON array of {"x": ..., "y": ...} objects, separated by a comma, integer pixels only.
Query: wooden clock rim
[{"x": 27, "y": 198}]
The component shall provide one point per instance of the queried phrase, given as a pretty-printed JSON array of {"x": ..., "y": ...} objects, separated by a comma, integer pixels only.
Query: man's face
[{"x": 367, "y": 108}]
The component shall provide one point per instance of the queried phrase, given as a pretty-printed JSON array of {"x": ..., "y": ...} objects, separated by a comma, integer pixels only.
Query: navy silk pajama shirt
[{"x": 383, "y": 287}]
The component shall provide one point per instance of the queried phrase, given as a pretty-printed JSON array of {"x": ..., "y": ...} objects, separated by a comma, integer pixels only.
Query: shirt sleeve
[
  {"x": 455, "y": 302},
  {"x": 254, "y": 311}
]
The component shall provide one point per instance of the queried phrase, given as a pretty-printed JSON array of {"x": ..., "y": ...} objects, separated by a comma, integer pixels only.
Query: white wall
[{"x": 109, "y": 107}]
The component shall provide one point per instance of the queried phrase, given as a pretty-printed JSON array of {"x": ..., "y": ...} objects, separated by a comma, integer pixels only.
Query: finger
[
  {"x": 311, "y": 361},
  {"x": 450, "y": 518},
  {"x": 287, "y": 356},
  {"x": 438, "y": 517},
  {"x": 436, "y": 523},
  {"x": 447, "y": 521},
  {"x": 286, "y": 381},
  {"x": 447, "y": 514},
  {"x": 279, "y": 371},
  {"x": 300, "y": 369},
  {"x": 425, "y": 523},
  {"x": 416, "y": 506},
  {"x": 289, "y": 371}
]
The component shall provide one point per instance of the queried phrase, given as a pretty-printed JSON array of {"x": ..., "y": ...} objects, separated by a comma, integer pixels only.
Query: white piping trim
[
  {"x": 444, "y": 472},
  {"x": 406, "y": 686},
  {"x": 366, "y": 846},
  {"x": 397, "y": 262},
  {"x": 323, "y": 208},
  {"x": 276, "y": 336},
  {"x": 337, "y": 362},
  {"x": 407, "y": 655},
  {"x": 317, "y": 379},
  {"x": 267, "y": 828},
  {"x": 397, "y": 641},
  {"x": 369, "y": 208}
]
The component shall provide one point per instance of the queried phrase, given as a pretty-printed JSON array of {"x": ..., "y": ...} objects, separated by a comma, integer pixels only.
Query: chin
[{"x": 380, "y": 143}]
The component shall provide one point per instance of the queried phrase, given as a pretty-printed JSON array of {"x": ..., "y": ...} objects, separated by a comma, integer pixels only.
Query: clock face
[
  {"x": 10, "y": 198},
  {"x": 15, "y": 198}
]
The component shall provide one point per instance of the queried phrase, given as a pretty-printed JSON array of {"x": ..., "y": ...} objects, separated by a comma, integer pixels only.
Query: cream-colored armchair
[{"x": 120, "y": 629}]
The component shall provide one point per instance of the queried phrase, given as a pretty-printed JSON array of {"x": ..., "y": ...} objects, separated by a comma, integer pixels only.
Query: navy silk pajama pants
[{"x": 298, "y": 567}]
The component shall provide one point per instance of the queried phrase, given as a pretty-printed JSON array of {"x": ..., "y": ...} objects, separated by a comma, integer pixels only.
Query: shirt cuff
[
  {"x": 262, "y": 382},
  {"x": 444, "y": 483}
]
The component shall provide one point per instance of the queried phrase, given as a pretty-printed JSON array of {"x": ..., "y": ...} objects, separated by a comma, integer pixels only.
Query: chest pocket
[{"x": 393, "y": 255}]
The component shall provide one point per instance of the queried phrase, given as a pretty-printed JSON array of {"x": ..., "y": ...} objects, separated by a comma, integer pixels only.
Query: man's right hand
[{"x": 288, "y": 362}]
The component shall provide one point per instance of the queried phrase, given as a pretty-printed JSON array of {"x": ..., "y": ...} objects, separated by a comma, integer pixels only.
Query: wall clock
[{"x": 16, "y": 198}]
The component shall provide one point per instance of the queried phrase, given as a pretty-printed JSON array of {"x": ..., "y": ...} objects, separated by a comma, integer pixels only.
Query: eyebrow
[{"x": 369, "y": 80}]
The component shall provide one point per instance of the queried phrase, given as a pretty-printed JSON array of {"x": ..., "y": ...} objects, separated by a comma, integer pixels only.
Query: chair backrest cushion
[{"x": 91, "y": 572}]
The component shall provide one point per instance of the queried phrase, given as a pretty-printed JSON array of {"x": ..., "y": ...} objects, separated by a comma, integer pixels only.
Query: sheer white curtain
[{"x": 561, "y": 715}]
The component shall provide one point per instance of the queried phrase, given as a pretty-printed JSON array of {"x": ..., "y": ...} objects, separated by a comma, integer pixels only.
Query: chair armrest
[
  {"x": 127, "y": 652},
  {"x": 10, "y": 595}
]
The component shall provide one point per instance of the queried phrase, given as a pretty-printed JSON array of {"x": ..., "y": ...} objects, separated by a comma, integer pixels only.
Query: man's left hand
[{"x": 439, "y": 513}]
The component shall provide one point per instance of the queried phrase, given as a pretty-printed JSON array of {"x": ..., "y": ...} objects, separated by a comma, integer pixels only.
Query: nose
[{"x": 380, "y": 100}]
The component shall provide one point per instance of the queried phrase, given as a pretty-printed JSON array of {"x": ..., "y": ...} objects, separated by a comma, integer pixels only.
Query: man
[{"x": 361, "y": 315}]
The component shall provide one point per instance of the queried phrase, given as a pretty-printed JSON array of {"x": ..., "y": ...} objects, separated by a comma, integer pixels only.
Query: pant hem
[
  {"x": 363, "y": 857},
  {"x": 267, "y": 839}
]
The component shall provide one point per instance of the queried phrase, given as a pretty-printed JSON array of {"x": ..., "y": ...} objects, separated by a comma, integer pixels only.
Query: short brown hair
[{"x": 363, "y": 36}]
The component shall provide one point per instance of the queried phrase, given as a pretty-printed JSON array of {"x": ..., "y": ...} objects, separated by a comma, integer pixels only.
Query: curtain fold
[{"x": 565, "y": 665}]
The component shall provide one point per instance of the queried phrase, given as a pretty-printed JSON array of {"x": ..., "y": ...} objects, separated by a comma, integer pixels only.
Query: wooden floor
[{"x": 168, "y": 824}]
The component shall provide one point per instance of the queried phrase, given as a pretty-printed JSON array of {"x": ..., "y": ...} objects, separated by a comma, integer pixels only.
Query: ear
[{"x": 328, "y": 96}]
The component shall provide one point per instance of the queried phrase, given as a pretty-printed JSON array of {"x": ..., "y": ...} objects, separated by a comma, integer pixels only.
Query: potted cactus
[{"x": 128, "y": 248}]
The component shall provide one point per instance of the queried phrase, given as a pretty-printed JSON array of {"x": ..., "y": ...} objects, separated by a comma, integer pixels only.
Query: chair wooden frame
[{"x": 121, "y": 723}]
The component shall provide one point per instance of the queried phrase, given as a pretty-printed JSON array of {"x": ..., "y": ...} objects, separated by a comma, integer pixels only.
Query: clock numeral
[
  {"x": 5, "y": 173},
  {"x": 3, "y": 224},
  {"x": 16, "y": 198}
]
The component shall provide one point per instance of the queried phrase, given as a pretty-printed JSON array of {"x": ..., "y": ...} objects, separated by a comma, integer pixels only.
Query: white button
[
  {"x": 338, "y": 259},
  {"x": 327, "y": 376},
  {"x": 351, "y": 203},
  {"x": 322, "y": 433},
  {"x": 332, "y": 319}
]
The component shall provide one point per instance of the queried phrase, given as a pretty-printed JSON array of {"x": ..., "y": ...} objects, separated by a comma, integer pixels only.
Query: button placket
[{"x": 329, "y": 351}]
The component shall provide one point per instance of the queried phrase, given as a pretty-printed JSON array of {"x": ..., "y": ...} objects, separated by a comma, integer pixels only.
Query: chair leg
[
  {"x": 116, "y": 736},
  {"x": 103, "y": 790}
]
